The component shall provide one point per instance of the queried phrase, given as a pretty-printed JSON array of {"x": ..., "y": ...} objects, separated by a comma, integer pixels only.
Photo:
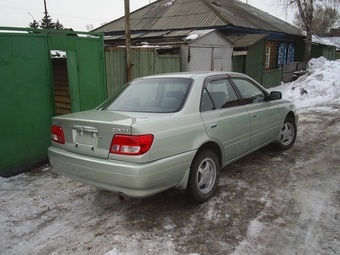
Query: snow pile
[{"x": 319, "y": 86}]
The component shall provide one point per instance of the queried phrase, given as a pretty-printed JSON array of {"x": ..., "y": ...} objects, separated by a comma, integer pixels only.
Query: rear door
[
  {"x": 264, "y": 115},
  {"x": 224, "y": 117}
]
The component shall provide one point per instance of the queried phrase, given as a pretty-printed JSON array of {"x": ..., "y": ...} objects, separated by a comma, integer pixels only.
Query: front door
[{"x": 264, "y": 115}]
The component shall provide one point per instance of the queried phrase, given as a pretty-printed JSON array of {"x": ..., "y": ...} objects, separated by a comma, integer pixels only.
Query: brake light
[
  {"x": 131, "y": 144},
  {"x": 58, "y": 134}
]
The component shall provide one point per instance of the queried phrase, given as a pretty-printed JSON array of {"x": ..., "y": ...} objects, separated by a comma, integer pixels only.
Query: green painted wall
[
  {"x": 328, "y": 52},
  {"x": 255, "y": 60},
  {"x": 26, "y": 88},
  {"x": 239, "y": 63},
  {"x": 25, "y": 99},
  {"x": 86, "y": 69},
  {"x": 272, "y": 78}
]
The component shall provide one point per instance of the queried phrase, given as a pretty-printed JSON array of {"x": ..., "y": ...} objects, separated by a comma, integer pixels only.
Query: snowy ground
[{"x": 267, "y": 203}]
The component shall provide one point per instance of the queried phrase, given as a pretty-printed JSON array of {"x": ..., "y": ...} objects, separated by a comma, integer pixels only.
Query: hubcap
[
  {"x": 287, "y": 134},
  {"x": 206, "y": 176}
]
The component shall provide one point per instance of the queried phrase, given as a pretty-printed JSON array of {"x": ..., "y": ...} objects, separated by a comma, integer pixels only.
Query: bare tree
[
  {"x": 306, "y": 12},
  {"x": 324, "y": 19}
]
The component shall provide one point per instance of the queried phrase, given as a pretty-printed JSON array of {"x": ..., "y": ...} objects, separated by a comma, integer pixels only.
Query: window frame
[
  {"x": 255, "y": 84},
  {"x": 267, "y": 63},
  {"x": 204, "y": 90}
]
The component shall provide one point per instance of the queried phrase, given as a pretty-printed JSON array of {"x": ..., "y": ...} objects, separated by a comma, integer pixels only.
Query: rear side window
[
  {"x": 218, "y": 94},
  {"x": 153, "y": 95}
]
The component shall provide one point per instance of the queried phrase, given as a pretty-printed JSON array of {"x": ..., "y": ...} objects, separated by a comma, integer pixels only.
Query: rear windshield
[{"x": 151, "y": 95}]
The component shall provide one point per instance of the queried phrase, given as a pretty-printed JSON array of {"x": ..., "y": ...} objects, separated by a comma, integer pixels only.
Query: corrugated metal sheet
[
  {"x": 189, "y": 14},
  {"x": 167, "y": 14},
  {"x": 242, "y": 41},
  {"x": 154, "y": 34},
  {"x": 178, "y": 33},
  {"x": 244, "y": 15}
]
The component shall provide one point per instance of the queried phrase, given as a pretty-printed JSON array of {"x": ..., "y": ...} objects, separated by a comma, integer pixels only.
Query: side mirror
[{"x": 275, "y": 95}]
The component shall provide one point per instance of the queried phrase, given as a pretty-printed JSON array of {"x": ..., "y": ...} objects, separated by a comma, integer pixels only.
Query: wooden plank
[
  {"x": 61, "y": 87},
  {"x": 61, "y": 111},
  {"x": 62, "y": 93},
  {"x": 62, "y": 99},
  {"x": 63, "y": 105}
]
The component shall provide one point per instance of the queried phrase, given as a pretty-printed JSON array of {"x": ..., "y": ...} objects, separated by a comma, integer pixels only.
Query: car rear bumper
[{"x": 134, "y": 180}]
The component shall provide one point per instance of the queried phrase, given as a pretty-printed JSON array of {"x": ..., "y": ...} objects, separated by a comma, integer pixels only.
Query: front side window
[
  {"x": 249, "y": 91},
  {"x": 218, "y": 94},
  {"x": 152, "y": 95}
]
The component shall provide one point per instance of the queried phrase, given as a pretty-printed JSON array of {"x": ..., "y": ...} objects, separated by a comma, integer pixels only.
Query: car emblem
[{"x": 122, "y": 130}]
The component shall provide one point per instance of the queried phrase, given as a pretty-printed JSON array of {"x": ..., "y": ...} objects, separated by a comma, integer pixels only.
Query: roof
[
  {"x": 333, "y": 41},
  {"x": 170, "y": 39},
  {"x": 195, "y": 14},
  {"x": 247, "y": 40},
  {"x": 195, "y": 74}
]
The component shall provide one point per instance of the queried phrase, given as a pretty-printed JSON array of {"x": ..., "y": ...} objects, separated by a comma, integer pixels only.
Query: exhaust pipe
[{"x": 122, "y": 197}]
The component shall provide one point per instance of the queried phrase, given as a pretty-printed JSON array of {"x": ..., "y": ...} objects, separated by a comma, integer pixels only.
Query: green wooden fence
[{"x": 146, "y": 61}]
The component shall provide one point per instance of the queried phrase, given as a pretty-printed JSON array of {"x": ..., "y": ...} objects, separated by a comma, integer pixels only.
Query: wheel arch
[
  {"x": 291, "y": 115},
  {"x": 215, "y": 148}
]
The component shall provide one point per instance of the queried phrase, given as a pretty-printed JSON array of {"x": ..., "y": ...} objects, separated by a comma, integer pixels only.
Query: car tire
[
  {"x": 204, "y": 176},
  {"x": 287, "y": 135}
]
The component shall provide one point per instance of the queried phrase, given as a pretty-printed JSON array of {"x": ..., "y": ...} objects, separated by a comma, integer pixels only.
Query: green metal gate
[{"x": 26, "y": 88}]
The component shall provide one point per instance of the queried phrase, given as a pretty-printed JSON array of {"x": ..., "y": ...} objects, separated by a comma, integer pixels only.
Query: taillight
[
  {"x": 58, "y": 134},
  {"x": 131, "y": 144}
]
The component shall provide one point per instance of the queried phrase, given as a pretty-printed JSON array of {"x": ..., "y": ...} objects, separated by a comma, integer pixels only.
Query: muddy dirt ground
[{"x": 267, "y": 203}]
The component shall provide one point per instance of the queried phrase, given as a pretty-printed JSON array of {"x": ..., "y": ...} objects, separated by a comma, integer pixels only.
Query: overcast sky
[{"x": 77, "y": 14}]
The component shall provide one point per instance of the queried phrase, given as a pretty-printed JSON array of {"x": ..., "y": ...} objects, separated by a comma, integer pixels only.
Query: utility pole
[
  {"x": 47, "y": 22},
  {"x": 128, "y": 41}
]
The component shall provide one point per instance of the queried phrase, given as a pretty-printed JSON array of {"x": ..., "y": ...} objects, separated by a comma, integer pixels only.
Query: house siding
[
  {"x": 255, "y": 60},
  {"x": 324, "y": 51}
]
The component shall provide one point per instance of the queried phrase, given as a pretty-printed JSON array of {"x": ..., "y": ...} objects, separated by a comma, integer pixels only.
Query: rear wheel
[
  {"x": 287, "y": 135},
  {"x": 204, "y": 175}
]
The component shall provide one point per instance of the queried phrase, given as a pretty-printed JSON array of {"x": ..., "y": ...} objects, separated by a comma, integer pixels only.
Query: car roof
[{"x": 194, "y": 75}]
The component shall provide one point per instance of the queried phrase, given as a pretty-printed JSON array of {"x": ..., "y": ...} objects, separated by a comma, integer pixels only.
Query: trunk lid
[{"x": 91, "y": 132}]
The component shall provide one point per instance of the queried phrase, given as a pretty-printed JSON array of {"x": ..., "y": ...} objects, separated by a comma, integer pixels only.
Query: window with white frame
[{"x": 267, "y": 64}]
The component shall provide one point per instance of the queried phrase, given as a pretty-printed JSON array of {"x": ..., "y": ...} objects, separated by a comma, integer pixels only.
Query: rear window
[{"x": 152, "y": 95}]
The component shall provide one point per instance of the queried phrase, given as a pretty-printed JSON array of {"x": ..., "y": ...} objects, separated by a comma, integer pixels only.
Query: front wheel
[
  {"x": 204, "y": 176},
  {"x": 287, "y": 135}
]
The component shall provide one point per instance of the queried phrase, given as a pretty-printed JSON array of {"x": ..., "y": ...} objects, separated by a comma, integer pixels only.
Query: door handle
[
  {"x": 213, "y": 125},
  {"x": 254, "y": 116}
]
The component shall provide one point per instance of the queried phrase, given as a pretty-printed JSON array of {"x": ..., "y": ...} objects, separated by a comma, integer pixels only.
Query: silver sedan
[{"x": 171, "y": 131}]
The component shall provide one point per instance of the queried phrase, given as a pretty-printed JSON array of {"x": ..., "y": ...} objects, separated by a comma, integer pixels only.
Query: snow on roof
[
  {"x": 332, "y": 41},
  {"x": 321, "y": 40}
]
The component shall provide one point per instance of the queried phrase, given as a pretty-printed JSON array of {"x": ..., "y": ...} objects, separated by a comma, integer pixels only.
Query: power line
[{"x": 51, "y": 13}]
